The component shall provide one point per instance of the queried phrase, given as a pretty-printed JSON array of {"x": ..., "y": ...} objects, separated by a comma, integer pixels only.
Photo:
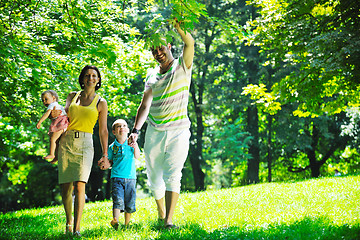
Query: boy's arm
[
  {"x": 189, "y": 43},
  {"x": 45, "y": 116},
  {"x": 136, "y": 150}
]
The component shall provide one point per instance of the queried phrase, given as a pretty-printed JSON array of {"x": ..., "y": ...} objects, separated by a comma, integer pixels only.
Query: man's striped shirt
[{"x": 170, "y": 92}]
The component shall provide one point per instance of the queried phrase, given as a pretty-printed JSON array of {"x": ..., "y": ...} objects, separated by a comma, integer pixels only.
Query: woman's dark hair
[{"x": 82, "y": 74}]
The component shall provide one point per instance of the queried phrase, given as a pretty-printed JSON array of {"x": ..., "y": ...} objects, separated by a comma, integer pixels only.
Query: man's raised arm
[{"x": 189, "y": 42}]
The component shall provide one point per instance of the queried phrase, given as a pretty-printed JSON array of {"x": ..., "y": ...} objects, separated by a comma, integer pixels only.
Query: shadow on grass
[
  {"x": 43, "y": 227},
  {"x": 306, "y": 229}
]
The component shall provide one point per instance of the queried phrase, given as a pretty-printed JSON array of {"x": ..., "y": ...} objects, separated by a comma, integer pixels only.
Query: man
[{"x": 164, "y": 106}]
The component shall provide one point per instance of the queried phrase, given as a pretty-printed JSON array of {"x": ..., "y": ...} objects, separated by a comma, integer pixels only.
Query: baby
[{"x": 58, "y": 125}]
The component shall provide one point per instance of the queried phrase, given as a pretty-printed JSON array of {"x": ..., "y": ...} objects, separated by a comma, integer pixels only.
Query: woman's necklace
[{"x": 164, "y": 70}]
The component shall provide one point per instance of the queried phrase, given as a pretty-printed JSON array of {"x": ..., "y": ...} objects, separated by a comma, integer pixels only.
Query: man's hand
[
  {"x": 175, "y": 22},
  {"x": 104, "y": 163},
  {"x": 132, "y": 139}
]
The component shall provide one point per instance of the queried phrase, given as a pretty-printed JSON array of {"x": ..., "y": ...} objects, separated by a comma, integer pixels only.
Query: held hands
[
  {"x": 132, "y": 140},
  {"x": 104, "y": 163}
]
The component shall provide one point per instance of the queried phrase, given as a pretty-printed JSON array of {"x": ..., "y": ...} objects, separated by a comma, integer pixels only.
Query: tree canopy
[{"x": 318, "y": 43}]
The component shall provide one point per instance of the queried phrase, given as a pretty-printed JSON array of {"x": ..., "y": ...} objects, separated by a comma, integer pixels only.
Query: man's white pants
[{"x": 165, "y": 155}]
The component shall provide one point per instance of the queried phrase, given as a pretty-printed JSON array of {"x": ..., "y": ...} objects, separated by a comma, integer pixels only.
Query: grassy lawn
[{"x": 327, "y": 208}]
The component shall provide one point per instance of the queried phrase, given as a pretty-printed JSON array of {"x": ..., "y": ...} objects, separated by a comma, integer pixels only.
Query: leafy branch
[{"x": 74, "y": 25}]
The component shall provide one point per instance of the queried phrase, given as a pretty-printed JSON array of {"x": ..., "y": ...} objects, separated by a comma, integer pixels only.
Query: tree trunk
[
  {"x": 197, "y": 92},
  {"x": 315, "y": 169},
  {"x": 314, "y": 164},
  {"x": 195, "y": 154},
  {"x": 311, "y": 153},
  {"x": 199, "y": 176},
  {"x": 253, "y": 128},
  {"x": 269, "y": 147},
  {"x": 252, "y": 66}
]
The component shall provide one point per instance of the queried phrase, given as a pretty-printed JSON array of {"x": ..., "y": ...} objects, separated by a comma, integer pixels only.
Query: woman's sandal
[{"x": 68, "y": 229}]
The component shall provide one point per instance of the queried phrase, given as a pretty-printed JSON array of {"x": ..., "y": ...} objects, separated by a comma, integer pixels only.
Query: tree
[
  {"x": 322, "y": 40},
  {"x": 316, "y": 140},
  {"x": 245, "y": 65},
  {"x": 204, "y": 74}
]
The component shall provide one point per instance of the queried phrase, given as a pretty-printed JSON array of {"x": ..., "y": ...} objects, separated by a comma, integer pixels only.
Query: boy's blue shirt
[{"x": 123, "y": 159}]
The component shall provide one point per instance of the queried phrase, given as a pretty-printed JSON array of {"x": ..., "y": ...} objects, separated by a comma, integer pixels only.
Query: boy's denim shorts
[{"x": 124, "y": 194}]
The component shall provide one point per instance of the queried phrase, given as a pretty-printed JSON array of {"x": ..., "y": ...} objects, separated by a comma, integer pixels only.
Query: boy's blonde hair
[{"x": 117, "y": 121}]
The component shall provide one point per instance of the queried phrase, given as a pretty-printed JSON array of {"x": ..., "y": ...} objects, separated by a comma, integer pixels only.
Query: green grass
[{"x": 327, "y": 208}]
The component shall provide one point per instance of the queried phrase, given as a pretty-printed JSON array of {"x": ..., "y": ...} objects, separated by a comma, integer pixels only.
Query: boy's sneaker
[{"x": 114, "y": 223}]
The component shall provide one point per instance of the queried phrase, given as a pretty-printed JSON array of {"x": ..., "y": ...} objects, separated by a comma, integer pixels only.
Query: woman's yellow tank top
[{"x": 83, "y": 118}]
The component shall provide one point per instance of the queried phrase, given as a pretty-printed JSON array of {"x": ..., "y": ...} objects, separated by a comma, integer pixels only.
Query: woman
[{"x": 76, "y": 149}]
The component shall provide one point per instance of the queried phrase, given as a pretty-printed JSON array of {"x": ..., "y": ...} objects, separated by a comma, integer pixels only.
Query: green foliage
[
  {"x": 218, "y": 77},
  {"x": 266, "y": 101},
  {"x": 19, "y": 175},
  {"x": 42, "y": 188},
  {"x": 305, "y": 144},
  {"x": 346, "y": 163},
  {"x": 187, "y": 13},
  {"x": 316, "y": 209},
  {"x": 229, "y": 149},
  {"x": 318, "y": 42},
  {"x": 30, "y": 182}
]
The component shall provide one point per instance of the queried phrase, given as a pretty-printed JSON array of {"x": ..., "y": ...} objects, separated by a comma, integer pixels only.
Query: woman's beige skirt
[{"x": 75, "y": 155}]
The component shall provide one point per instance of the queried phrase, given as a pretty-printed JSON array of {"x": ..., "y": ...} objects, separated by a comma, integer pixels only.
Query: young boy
[{"x": 123, "y": 173}]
